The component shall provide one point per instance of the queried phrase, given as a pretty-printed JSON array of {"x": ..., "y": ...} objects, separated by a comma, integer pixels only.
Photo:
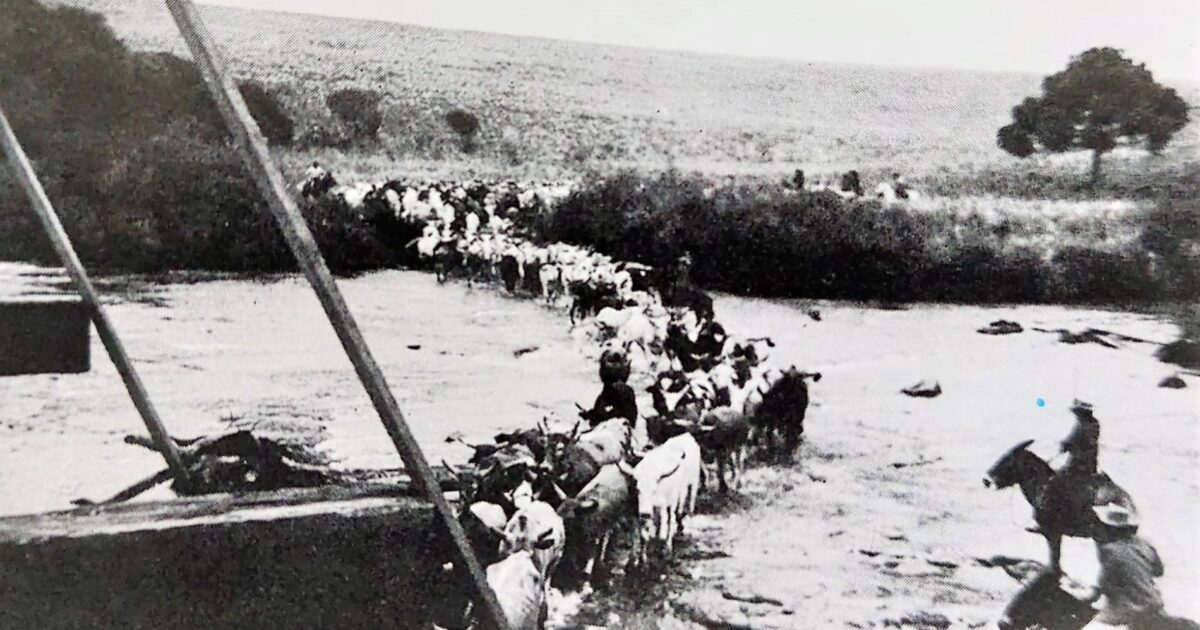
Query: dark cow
[
  {"x": 782, "y": 410},
  {"x": 446, "y": 260},
  {"x": 852, "y": 183},
  {"x": 576, "y": 463},
  {"x": 316, "y": 187},
  {"x": 483, "y": 523},
  {"x": 641, "y": 276},
  {"x": 510, "y": 272},
  {"x": 590, "y": 299},
  {"x": 532, "y": 283}
]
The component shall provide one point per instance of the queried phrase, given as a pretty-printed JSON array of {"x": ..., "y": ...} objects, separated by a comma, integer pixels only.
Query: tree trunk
[{"x": 1096, "y": 174}]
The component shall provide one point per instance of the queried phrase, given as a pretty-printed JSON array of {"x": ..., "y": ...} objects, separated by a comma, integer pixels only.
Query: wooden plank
[
  {"x": 295, "y": 559},
  {"x": 258, "y": 159},
  {"x": 44, "y": 326},
  {"x": 44, "y": 335},
  {"x": 23, "y": 169}
]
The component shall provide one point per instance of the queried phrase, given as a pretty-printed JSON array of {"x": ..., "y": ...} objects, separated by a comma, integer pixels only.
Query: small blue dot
[{"x": 1041, "y": 402}]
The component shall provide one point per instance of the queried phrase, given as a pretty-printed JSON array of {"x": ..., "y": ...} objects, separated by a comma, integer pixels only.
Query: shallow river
[{"x": 262, "y": 351}]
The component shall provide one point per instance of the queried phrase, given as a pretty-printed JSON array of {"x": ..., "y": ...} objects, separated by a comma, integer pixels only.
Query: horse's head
[{"x": 1009, "y": 469}]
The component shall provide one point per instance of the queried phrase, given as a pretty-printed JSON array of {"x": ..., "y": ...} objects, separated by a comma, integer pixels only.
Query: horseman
[
  {"x": 1071, "y": 491},
  {"x": 616, "y": 399},
  {"x": 900, "y": 186}
]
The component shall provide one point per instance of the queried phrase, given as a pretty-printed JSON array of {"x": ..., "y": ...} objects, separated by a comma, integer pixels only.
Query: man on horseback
[
  {"x": 1066, "y": 503},
  {"x": 616, "y": 399}
]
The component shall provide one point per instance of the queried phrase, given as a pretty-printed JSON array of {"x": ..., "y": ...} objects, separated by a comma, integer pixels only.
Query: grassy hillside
[{"x": 552, "y": 108}]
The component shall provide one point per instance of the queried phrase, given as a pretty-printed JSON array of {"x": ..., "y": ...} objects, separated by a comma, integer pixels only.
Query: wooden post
[
  {"x": 66, "y": 253},
  {"x": 257, "y": 155}
]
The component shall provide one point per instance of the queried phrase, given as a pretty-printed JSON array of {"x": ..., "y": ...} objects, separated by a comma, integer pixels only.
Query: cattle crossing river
[{"x": 240, "y": 351}]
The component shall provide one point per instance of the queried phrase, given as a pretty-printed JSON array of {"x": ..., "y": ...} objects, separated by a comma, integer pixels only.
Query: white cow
[
  {"x": 667, "y": 481},
  {"x": 538, "y": 529},
  {"x": 886, "y": 193},
  {"x": 518, "y": 585}
]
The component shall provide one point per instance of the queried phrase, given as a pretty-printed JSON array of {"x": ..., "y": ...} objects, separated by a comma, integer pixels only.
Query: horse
[{"x": 1061, "y": 501}]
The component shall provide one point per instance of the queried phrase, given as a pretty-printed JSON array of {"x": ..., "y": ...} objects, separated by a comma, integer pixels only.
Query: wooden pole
[
  {"x": 257, "y": 155},
  {"x": 66, "y": 253}
]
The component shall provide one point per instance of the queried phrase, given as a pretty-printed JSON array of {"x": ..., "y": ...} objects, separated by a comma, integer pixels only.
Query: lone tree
[
  {"x": 1101, "y": 100},
  {"x": 466, "y": 125}
]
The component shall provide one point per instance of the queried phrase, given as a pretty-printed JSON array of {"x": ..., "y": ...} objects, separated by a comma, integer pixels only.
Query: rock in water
[
  {"x": 924, "y": 389},
  {"x": 1172, "y": 382},
  {"x": 920, "y": 619},
  {"x": 1001, "y": 327}
]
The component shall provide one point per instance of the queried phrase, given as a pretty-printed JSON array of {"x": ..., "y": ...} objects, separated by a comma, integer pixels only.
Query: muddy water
[
  {"x": 886, "y": 484},
  {"x": 895, "y": 482},
  {"x": 212, "y": 352}
]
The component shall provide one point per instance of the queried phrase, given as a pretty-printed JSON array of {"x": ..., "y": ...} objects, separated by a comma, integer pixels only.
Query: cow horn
[
  {"x": 625, "y": 468},
  {"x": 1023, "y": 445}
]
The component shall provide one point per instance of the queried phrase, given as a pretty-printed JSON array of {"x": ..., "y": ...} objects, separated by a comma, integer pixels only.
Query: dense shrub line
[
  {"x": 134, "y": 155},
  {"x": 763, "y": 239}
]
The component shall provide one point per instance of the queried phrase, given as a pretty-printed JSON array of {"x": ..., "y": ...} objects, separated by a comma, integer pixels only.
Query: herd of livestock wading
[
  {"x": 561, "y": 503},
  {"x": 564, "y": 504}
]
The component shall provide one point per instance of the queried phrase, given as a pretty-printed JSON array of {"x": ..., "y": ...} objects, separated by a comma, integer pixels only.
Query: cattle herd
[{"x": 551, "y": 504}]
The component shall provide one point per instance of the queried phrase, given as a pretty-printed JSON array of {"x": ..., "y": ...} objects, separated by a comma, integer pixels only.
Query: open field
[
  {"x": 553, "y": 109},
  {"x": 884, "y": 485}
]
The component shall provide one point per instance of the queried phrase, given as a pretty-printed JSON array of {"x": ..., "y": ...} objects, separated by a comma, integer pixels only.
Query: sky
[{"x": 997, "y": 35}]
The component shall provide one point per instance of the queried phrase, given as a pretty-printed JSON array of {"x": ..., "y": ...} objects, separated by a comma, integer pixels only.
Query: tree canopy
[{"x": 1101, "y": 100}]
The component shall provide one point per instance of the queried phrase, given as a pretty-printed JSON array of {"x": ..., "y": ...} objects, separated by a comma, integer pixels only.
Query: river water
[{"x": 237, "y": 352}]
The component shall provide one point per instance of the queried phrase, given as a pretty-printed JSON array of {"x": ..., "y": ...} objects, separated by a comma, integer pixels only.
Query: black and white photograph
[{"x": 600, "y": 314}]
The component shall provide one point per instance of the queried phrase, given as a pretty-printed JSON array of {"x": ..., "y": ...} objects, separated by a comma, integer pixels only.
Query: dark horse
[{"x": 1061, "y": 501}]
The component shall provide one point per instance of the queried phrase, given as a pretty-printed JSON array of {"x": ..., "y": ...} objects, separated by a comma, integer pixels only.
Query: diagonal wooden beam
[
  {"x": 66, "y": 253},
  {"x": 257, "y": 155}
]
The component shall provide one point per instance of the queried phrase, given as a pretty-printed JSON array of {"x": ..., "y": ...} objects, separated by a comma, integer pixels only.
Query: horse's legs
[
  {"x": 724, "y": 489},
  {"x": 1054, "y": 541}
]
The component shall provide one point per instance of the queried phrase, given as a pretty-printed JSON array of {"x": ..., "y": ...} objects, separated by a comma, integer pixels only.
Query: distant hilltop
[{"x": 562, "y": 103}]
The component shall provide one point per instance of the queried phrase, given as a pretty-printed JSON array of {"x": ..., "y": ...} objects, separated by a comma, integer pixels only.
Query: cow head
[
  {"x": 572, "y": 510},
  {"x": 516, "y": 535},
  {"x": 1008, "y": 470}
]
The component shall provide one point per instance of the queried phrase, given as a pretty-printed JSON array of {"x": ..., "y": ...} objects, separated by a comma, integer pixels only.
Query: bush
[
  {"x": 269, "y": 113},
  {"x": 358, "y": 110},
  {"x": 466, "y": 125},
  {"x": 1171, "y": 232},
  {"x": 132, "y": 152}
]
